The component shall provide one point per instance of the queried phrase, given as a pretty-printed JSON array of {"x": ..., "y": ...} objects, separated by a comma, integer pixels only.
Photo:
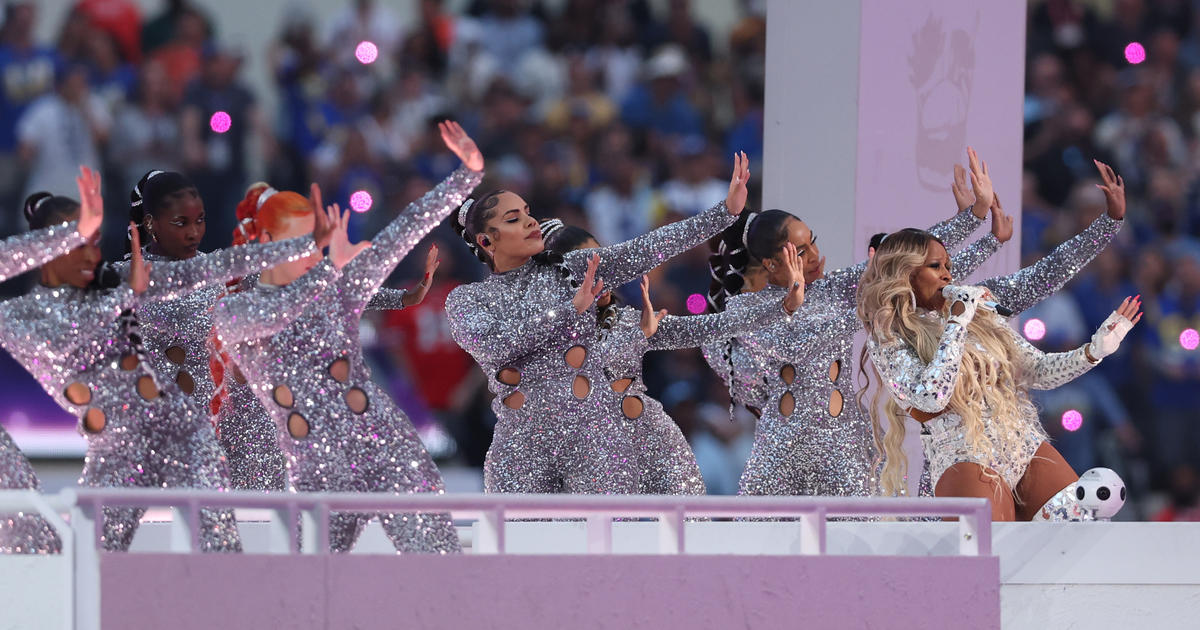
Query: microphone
[{"x": 998, "y": 309}]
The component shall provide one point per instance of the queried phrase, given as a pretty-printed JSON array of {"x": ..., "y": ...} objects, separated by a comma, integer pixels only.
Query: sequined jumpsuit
[
  {"x": 559, "y": 427},
  {"x": 298, "y": 347},
  {"x": 21, "y": 532},
  {"x": 666, "y": 462},
  {"x": 246, "y": 431},
  {"x": 142, "y": 431},
  {"x": 812, "y": 438}
]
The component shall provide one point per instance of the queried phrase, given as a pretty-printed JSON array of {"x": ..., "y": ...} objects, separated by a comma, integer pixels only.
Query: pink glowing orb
[
  {"x": 1035, "y": 329},
  {"x": 1135, "y": 53},
  {"x": 360, "y": 201},
  {"x": 220, "y": 122},
  {"x": 696, "y": 304},
  {"x": 366, "y": 52},
  {"x": 1189, "y": 339},
  {"x": 1072, "y": 420}
]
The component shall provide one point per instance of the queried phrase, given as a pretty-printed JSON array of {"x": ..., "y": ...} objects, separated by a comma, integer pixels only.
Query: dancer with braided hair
[
  {"x": 531, "y": 327},
  {"x": 294, "y": 335},
  {"x": 666, "y": 462},
  {"x": 49, "y": 239}
]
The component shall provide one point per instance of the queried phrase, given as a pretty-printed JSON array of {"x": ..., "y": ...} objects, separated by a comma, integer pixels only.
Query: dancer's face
[
  {"x": 76, "y": 267},
  {"x": 291, "y": 227},
  {"x": 178, "y": 224},
  {"x": 929, "y": 279},
  {"x": 798, "y": 234},
  {"x": 512, "y": 235}
]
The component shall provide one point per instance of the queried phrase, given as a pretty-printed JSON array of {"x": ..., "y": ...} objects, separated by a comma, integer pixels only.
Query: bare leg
[
  {"x": 968, "y": 479},
  {"x": 1047, "y": 474}
]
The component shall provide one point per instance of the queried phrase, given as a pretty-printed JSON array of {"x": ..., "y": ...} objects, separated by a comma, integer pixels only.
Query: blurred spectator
[
  {"x": 1176, "y": 368},
  {"x": 164, "y": 28},
  {"x": 363, "y": 20},
  {"x": 509, "y": 32},
  {"x": 1138, "y": 133},
  {"x": 693, "y": 188},
  {"x": 660, "y": 105},
  {"x": 1184, "y": 497},
  {"x": 61, "y": 131},
  {"x": 28, "y": 70},
  {"x": 121, "y": 20},
  {"x": 624, "y": 205},
  {"x": 112, "y": 79},
  {"x": 146, "y": 134},
  {"x": 183, "y": 53}
]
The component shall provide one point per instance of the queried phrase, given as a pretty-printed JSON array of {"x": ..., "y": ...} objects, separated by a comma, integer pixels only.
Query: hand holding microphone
[{"x": 963, "y": 302}]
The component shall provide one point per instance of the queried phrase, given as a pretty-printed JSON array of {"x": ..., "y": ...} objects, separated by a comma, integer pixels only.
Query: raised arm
[
  {"x": 953, "y": 231},
  {"x": 675, "y": 332},
  {"x": 172, "y": 279},
  {"x": 258, "y": 313},
  {"x": 1043, "y": 370},
  {"x": 31, "y": 250},
  {"x": 969, "y": 258},
  {"x": 497, "y": 333},
  {"x": 386, "y": 299}
]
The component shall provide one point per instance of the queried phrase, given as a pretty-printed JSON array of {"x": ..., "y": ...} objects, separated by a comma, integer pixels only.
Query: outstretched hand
[
  {"x": 735, "y": 201},
  {"x": 91, "y": 203},
  {"x": 1114, "y": 190},
  {"x": 1002, "y": 222},
  {"x": 323, "y": 227},
  {"x": 417, "y": 294},
  {"x": 650, "y": 317},
  {"x": 461, "y": 144},
  {"x": 981, "y": 181},
  {"x": 341, "y": 250},
  {"x": 795, "y": 274},
  {"x": 590, "y": 288},
  {"x": 964, "y": 197},
  {"x": 139, "y": 269}
]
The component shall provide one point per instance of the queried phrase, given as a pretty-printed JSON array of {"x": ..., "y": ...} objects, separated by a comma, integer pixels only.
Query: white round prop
[{"x": 1102, "y": 491}]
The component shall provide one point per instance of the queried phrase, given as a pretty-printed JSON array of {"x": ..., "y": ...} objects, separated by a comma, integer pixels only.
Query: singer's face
[{"x": 928, "y": 279}]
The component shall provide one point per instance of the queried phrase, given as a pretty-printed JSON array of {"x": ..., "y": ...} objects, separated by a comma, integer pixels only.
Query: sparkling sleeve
[
  {"x": 734, "y": 367},
  {"x": 386, "y": 299},
  {"x": 171, "y": 280},
  {"x": 1042, "y": 370},
  {"x": 497, "y": 332},
  {"x": 953, "y": 231},
  {"x": 911, "y": 381},
  {"x": 367, "y": 271},
  {"x": 627, "y": 261},
  {"x": 23, "y": 252},
  {"x": 802, "y": 330},
  {"x": 675, "y": 332},
  {"x": 1028, "y": 286},
  {"x": 965, "y": 262},
  {"x": 52, "y": 327},
  {"x": 252, "y": 314}
]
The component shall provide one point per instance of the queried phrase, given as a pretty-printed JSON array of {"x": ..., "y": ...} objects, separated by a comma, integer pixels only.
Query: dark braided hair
[
  {"x": 43, "y": 209},
  {"x": 475, "y": 221},
  {"x": 559, "y": 239},
  {"x": 148, "y": 195},
  {"x": 736, "y": 248}
]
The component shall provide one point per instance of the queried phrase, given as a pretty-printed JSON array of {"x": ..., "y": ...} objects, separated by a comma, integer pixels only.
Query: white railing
[{"x": 80, "y": 532}]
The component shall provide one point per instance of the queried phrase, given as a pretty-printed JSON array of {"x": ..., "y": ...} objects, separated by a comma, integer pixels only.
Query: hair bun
[{"x": 33, "y": 202}]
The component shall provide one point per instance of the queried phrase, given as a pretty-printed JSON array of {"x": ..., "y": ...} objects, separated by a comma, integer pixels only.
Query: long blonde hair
[{"x": 987, "y": 375}]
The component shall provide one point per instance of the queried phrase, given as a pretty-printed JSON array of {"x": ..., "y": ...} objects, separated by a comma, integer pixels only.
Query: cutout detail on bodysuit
[
  {"x": 632, "y": 407},
  {"x": 788, "y": 373},
  {"x": 176, "y": 355},
  {"x": 509, "y": 376},
  {"x": 146, "y": 388},
  {"x": 621, "y": 384},
  {"x": 297, "y": 426},
  {"x": 94, "y": 420},
  {"x": 128, "y": 362},
  {"x": 835, "y": 369},
  {"x": 515, "y": 400},
  {"x": 78, "y": 393},
  {"x": 340, "y": 370},
  {"x": 282, "y": 394},
  {"x": 185, "y": 382},
  {"x": 238, "y": 376},
  {"x": 787, "y": 404},
  {"x": 581, "y": 387},
  {"x": 836, "y": 402},
  {"x": 575, "y": 356},
  {"x": 357, "y": 400}
]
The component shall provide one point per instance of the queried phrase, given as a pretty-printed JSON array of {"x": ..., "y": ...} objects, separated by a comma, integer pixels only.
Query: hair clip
[
  {"x": 462, "y": 211},
  {"x": 746, "y": 232},
  {"x": 266, "y": 194}
]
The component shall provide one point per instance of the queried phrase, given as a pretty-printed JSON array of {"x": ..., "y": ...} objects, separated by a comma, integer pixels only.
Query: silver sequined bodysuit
[
  {"x": 812, "y": 438},
  {"x": 21, "y": 532},
  {"x": 298, "y": 347},
  {"x": 246, "y": 431},
  {"x": 141, "y": 429},
  {"x": 666, "y": 462},
  {"x": 914, "y": 384},
  {"x": 559, "y": 427}
]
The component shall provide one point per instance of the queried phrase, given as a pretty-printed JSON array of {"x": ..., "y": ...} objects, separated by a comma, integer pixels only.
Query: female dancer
[
  {"x": 294, "y": 335},
  {"x": 20, "y": 532},
  {"x": 666, "y": 463},
  {"x": 528, "y": 327},
  {"x": 245, "y": 430},
  {"x": 85, "y": 349},
  {"x": 808, "y": 441},
  {"x": 965, "y": 375}
]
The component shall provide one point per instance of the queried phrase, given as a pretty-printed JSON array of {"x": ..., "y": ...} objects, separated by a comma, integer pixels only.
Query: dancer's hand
[
  {"x": 417, "y": 294},
  {"x": 590, "y": 288},
  {"x": 1002, "y": 223},
  {"x": 1114, "y": 190},
  {"x": 735, "y": 201},
  {"x": 461, "y": 144},
  {"x": 139, "y": 269},
  {"x": 341, "y": 251},
  {"x": 1108, "y": 337},
  {"x": 323, "y": 227},
  {"x": 91, "y": 203},
  {"x": 795, "y": 275},
  {"x": 981, "y": 181},
  {"x": 963, "y": 196},
  {"x": 650, "y": 317}
]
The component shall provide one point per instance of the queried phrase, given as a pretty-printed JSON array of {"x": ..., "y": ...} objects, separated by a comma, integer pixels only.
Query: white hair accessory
[
  {"x": 551, "y": 226},
  {"x": 746, "y": 232},
  {"x": 462, "y": 211},
  {"x": 138, "y": 188},
  {"x": 266, "y": 194}
]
